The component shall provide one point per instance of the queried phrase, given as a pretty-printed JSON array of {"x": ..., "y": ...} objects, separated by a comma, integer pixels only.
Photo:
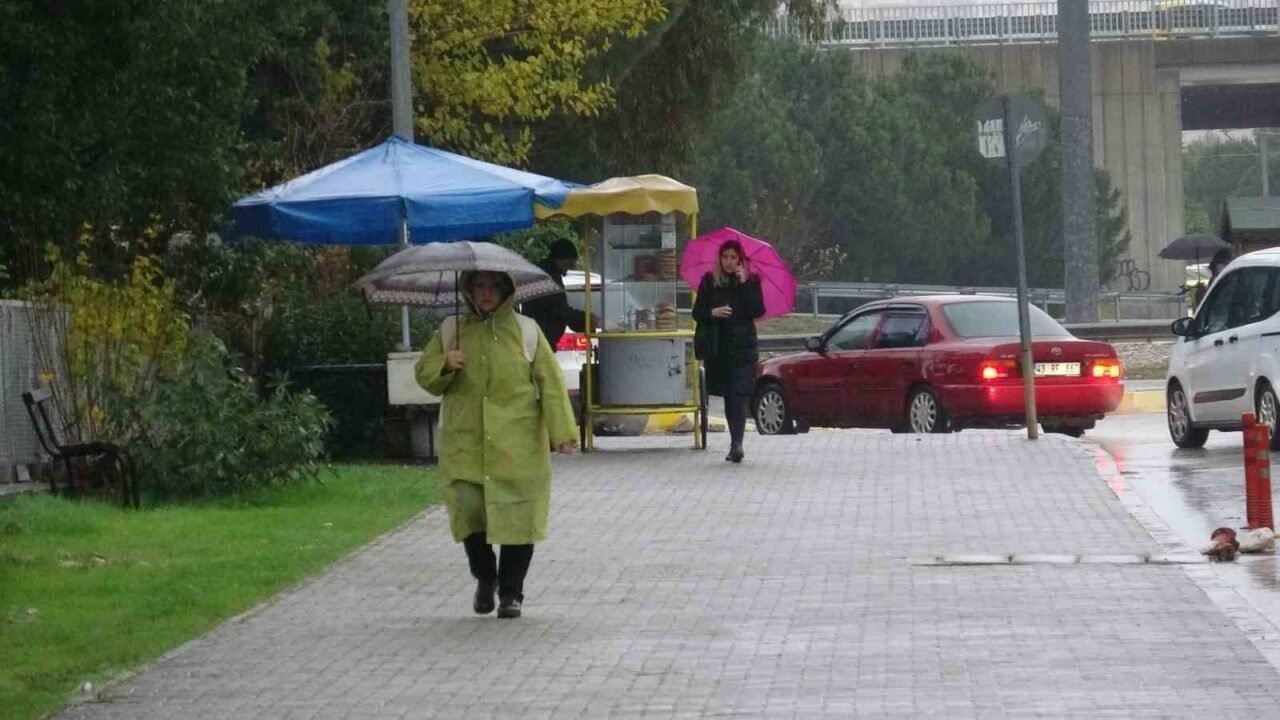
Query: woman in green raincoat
[{"x": 502, "y": 415}]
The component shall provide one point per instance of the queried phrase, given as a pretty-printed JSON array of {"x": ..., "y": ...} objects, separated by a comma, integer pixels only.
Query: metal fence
[
  {"x": 1015, "y": 22},
  {"x": 18, "y": 374},
  {"x": 830, "y": 298}
]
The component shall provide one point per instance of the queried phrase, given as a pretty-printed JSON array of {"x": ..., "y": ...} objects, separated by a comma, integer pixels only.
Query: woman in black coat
[{"x": 729, "y": 303}]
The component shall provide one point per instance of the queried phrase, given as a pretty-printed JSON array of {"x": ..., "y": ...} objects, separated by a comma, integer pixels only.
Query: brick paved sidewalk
[{"x": 676, "y": 585}]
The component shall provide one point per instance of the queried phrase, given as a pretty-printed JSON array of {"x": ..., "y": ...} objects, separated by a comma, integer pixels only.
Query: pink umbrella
[{"x": 776, "y": 280}]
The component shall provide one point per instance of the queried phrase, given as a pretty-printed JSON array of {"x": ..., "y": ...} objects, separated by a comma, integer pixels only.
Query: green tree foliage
[
  {"x": 1215, "y": 168},
  {"x": 127, "y": 121},
  {"x": 485, "y": 70},
  {"x": 118, "y": 116},
  {"x": 1195, "y": 220},
  {"x": 669, "y": 83},
  {"x": 878, "y": 179}
]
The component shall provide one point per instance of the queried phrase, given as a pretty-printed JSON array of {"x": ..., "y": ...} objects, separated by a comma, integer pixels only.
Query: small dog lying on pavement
[{"x": 1223, "y": 545}]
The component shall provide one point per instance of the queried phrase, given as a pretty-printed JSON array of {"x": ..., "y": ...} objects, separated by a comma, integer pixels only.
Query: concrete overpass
[{"x": 1158, "y": 68}]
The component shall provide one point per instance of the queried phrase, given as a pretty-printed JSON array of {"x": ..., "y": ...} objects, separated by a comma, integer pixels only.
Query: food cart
[{"x": 639, "y": 361}]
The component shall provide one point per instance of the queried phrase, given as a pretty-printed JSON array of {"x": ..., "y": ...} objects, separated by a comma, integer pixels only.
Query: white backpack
[{"x": 528, "y": 334}]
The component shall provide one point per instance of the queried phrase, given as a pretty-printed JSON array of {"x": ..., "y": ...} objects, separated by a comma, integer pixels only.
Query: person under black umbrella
[{"x": 1220, "y": 261}]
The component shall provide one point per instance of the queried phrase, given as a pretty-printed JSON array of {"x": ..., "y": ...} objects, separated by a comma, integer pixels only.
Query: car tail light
[
  {"x": 1109, "y": 368},
  {"x": 572, "y": 342},
  {"x": 998, "y": 369}
]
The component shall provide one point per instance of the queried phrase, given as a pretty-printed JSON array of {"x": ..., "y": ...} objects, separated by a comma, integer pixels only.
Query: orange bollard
[
  {"x": 1257, "y": 473},
  {"x": 1262, "y": 469}
]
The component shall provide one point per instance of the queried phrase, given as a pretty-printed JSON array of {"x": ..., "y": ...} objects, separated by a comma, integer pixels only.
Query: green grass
[
  {"x": 1146, "y": 372},
  {"x": 794, "y": 325},
  {"x": 88, "y": 591}
]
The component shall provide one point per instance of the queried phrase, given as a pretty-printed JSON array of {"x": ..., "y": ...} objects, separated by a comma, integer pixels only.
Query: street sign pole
[{"x": 1024, "y": 312}]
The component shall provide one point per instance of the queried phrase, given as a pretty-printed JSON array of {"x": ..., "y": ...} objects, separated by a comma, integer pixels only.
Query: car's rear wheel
[
  {"x": 1068, "y": 430},
  {"x": 925, "y": 413},
  {"x": 1183, "y": 433},
  {"x": 772, "y": 412},
  {"x": 1268, "y": 408}
]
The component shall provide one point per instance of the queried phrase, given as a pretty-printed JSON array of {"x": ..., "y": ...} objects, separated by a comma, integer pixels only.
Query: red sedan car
[{"x": 934, "y": 365}]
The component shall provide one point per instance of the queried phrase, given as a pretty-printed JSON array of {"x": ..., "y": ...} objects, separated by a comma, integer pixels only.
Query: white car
[{"x": 1227, "y": 362}]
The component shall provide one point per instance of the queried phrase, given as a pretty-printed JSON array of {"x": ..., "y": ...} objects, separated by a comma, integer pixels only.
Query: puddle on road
[{"x": 1193, "y": 492}]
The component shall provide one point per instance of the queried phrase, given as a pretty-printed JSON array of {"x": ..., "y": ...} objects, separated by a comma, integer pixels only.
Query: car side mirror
[
  {"x": 813, "y": 344},
  {"x": 1182, "y": 327}
]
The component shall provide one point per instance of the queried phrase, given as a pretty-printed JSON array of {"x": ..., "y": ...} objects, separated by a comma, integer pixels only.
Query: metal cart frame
[{"x": 635, "y": 196}]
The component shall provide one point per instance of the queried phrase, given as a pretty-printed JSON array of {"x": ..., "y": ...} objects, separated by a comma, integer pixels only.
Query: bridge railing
[{"x": 1014, "y": 22}]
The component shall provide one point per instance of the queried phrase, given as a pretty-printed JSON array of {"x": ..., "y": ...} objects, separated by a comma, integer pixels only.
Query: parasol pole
[
  {"x": 405, "y": 341},
  {"x": 401, "y": 116}
]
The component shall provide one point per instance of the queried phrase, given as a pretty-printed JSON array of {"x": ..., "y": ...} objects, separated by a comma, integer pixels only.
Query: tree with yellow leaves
[{"x": 485, "y": 70}]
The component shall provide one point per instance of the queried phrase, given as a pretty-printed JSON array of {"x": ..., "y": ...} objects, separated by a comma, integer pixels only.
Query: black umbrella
[{"x": 1193, "y": 247}]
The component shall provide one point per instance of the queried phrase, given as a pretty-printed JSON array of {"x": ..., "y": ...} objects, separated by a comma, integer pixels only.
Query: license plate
[{"x": 1057, "y": 369}]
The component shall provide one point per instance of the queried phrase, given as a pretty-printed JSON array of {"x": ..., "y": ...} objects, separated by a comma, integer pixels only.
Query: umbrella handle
[{"x": 457, "y": 291}]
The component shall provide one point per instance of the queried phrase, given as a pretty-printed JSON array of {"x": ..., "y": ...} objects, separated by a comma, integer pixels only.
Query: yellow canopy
[{"x": 632, "y": 195}]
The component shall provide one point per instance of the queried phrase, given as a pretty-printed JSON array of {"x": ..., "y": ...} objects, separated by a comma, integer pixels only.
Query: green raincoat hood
[{"x": 504, "y": 309}]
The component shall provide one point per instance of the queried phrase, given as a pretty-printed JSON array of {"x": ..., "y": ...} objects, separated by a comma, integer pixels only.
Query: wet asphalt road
[{"x": 1193, "y": 491}]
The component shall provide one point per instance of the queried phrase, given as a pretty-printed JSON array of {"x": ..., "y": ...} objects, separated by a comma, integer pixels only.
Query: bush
[
  {"x": 337, "y": 348},
  {"x": 94, "y": 337},
  {"x": 207, "y": 433}
]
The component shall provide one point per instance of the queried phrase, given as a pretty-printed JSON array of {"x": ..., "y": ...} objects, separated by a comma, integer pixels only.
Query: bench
[{"x": 37, "y": 402}]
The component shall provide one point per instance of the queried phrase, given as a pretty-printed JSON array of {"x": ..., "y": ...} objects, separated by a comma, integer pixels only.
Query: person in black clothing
[
  {"x": 729, "y": 303},
  {"x": 1220, "y": 261},
  {"x": 553, "y": 313}
]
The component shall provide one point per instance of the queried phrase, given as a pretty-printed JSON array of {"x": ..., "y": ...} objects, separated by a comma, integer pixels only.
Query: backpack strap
[
  {"x": 529, "y": 331},
  {"x": 448, "y": 331}
]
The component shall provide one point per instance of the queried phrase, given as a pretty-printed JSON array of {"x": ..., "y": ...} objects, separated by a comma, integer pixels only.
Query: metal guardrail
[
  {"x": 1131, "y": 331},
  {"x": 1020, "y": 22},
  {"x": 837, "y": 298}
]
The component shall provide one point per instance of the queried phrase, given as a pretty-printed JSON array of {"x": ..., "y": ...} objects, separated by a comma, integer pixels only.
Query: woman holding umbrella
[
  {"x": 502, "y": 414},
  {"x": 729, "y": 302}
]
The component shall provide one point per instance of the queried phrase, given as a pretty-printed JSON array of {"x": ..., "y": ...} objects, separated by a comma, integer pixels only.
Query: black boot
[
  {"x": 483, "y": 603},
  {"x": 736, "y": 415},
  {"x": 484, "y": 568},
  {"x": 509, "y": 607},
  {"x": 512, "y": 568}
]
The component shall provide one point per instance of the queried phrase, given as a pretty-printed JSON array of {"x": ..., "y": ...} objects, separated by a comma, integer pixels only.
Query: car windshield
[{"x": 998, "y": 319}]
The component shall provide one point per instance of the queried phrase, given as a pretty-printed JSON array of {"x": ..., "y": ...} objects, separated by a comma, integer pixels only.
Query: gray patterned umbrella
[{"x": 427, "y": 275}]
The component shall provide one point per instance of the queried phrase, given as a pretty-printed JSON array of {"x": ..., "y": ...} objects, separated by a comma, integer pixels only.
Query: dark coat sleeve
[
  {"x": 575, "y": 319},
  {"x": 702, "y": 305}
]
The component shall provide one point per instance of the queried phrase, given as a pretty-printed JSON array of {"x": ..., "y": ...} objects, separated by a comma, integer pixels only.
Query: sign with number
[{"x": 1030, "y": 129}]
